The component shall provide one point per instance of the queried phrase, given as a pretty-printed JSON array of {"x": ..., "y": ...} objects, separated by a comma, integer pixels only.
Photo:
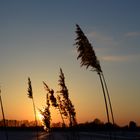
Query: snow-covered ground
[{"x": 30, "y": 135}]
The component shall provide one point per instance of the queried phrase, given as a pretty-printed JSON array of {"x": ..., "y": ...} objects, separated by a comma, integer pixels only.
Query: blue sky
[{"x": 37, "y": 37}]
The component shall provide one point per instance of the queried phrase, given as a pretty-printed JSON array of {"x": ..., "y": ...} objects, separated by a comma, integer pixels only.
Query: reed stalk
[
  {"x": 110, "y": 104},
  {"x": 103, "y": 89},
  {"x": 30, "y": 95},
  {"x": 3, "y": 115}
]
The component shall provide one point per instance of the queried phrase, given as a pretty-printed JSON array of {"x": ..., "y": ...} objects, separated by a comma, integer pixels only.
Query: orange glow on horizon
[{"x": 39, "y": 116}]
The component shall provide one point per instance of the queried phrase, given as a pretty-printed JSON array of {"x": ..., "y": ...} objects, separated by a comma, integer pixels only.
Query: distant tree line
[
  {"x": 95, "y": 125},
  {"x": 98, "y": 125},
  {"x": 19, "y": 123}
]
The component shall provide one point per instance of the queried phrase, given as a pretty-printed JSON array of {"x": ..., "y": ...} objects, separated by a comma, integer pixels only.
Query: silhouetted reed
[
  {"x": 3, "y": 115},
  {"x": 46, "y": 114},
  {"x": 89, "y": 59},
  {"x": 54, "y": 101},
  {"x": 64, "y": 100},
  {"x": 30, "y": 95}
]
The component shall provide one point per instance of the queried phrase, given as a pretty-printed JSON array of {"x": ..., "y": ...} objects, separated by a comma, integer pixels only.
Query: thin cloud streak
[
  {"x": 99, "y": 36},
  {"x": 132, "y": 34},
  {"x": 118, "y": 58},
  {"x": 102, "y": 39}
]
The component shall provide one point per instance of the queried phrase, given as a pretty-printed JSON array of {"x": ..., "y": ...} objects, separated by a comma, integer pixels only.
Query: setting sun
[{"x": 39, "y": 116}]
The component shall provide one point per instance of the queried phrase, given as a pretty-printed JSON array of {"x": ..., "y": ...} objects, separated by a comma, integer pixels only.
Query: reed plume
[
  {"x": 66, "y": 102},
  {"x": 89, "y": 59},
  {"x": 46, "y": 114},
  {"x": 30, "y": 95},
  {"x": 54, "y": 101}
]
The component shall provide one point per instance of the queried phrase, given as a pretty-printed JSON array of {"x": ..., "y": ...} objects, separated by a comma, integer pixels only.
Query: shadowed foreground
[
  {"x": 31, "y": 135},
  {"x": 23, "y": 135}
]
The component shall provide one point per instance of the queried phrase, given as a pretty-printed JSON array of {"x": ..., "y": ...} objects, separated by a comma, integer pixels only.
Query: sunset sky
[{"x": 37, "y": 38}]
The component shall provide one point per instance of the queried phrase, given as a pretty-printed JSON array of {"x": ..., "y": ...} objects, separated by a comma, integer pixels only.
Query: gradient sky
[{"x": 36, "y": 39}]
